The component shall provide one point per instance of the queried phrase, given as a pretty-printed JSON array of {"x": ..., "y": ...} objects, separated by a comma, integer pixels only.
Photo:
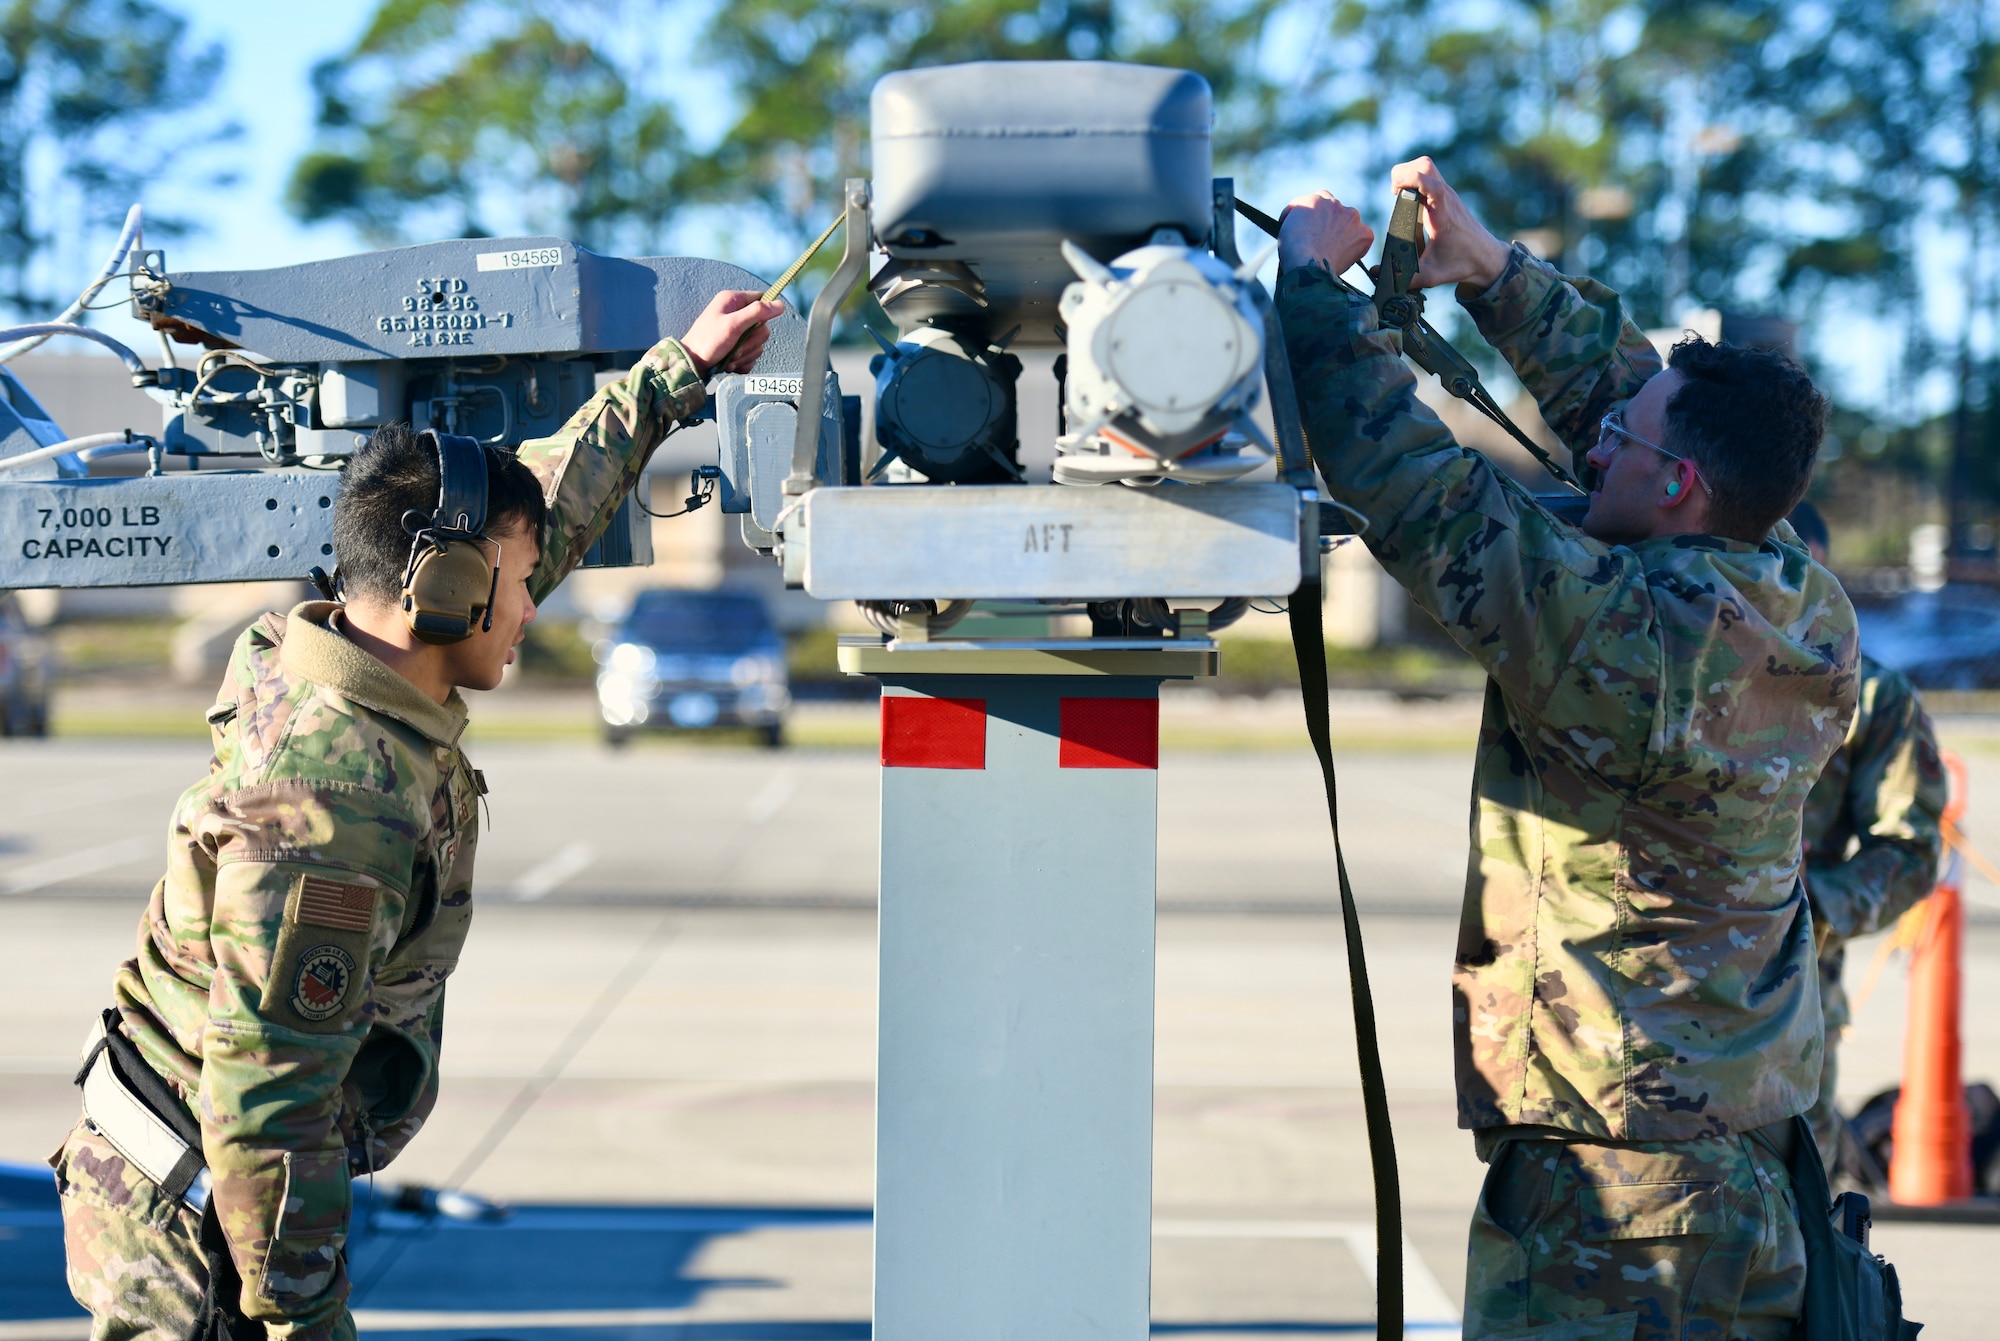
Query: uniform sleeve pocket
[
  {"x": 1649, "y": 1210},
  {"x": 303, "y": 1262}
]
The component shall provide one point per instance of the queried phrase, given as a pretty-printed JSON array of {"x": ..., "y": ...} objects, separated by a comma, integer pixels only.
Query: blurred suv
[{"x": 692, "y": 660}]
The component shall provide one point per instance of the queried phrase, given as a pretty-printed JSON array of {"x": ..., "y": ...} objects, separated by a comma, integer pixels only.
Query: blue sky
[{"x": 265, "y": 88}]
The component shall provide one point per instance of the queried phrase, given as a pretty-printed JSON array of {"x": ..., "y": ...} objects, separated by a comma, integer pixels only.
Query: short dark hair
[
  {"x": 1805, "y": 519},
  {"x": 397, "y": 472},
  {"x": 1753, "y": 421}
]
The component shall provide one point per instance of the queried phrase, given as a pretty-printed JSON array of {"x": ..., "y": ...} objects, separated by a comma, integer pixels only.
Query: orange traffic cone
[{"x": 1932, "y": 1158}]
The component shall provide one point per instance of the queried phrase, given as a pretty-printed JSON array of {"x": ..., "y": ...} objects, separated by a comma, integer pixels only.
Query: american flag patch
[{"x": 328, "y": 903}]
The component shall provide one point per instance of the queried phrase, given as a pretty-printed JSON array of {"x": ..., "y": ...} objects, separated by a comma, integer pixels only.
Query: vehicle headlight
[
  {"x": 632, "y": 659},
  {"x": 756, "y": 670},
  {"x": 623, "y": 698},
  {"x": 615, "y": 687}
]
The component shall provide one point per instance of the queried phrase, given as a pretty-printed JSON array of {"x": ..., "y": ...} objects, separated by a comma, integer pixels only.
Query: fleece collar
[{"x": 315, "y": 652}]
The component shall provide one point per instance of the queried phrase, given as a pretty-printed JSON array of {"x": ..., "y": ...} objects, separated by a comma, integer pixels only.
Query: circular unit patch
[{"x": 325, "y": 973}]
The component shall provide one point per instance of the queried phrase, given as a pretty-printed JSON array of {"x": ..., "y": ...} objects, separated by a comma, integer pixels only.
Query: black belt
[{"x": 128, "y": 1103}]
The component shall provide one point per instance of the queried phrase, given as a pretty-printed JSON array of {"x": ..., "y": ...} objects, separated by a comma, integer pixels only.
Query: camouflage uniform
[
  {"x": 289, "y": 981},
  {"x": 1882, "y": 795},
  {"x": 1634, "y": 965},
  {"x": 1592, "y": 1242}
]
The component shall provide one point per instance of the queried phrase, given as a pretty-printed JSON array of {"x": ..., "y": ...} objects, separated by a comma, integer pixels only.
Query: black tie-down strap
[
  {"x": 1402, "y": 308},
  {"x": 1309, "y": 646}
]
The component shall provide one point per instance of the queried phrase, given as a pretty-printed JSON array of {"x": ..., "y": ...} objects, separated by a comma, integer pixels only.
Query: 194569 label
[{"x": 528, "y": 258}]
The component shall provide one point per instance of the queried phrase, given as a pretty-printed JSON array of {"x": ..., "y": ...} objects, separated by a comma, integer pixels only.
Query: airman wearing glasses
[{"x": 1634, "y": 999}]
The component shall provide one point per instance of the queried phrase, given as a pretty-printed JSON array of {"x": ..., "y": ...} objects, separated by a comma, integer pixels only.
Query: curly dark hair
[
  {"x": 398, "y": 472},
  {"x": 1753, "y": 420}
]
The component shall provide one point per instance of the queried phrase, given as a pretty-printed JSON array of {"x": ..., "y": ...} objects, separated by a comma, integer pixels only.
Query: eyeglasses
[{"x": 1612, "y": 433}]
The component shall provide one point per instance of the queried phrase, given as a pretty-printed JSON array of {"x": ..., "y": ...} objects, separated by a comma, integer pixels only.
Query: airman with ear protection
[{"x": 327, "y": 859}]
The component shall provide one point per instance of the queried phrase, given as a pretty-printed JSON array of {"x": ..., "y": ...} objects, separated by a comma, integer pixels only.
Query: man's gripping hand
[
  {"x": 1457, "y": 247},
  {"x": 1317, "y": 229},
  {"x": 731, "y": 332}
]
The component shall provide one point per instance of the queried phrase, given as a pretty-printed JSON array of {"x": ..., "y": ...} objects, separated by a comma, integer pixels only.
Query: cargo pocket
[
  {"x": 1498, "y": 1263},
  {"x": 304, "y": 1257},
  {"x": 1649, "y": 1210}
]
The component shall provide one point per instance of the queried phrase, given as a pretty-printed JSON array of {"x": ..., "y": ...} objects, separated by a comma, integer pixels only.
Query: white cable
[
  {"x": 89, "y": 447},
  {"x": 128, "y": 237},
  {"x": 45, "y": 329},
  {"x": 142, "y": 377}
]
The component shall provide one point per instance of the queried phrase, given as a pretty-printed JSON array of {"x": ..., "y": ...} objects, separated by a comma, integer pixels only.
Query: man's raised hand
[
  {"x": 1457, "y": 247},
  {"x": 1317, "y": 228},
  {"x": 731, "y": 331}
]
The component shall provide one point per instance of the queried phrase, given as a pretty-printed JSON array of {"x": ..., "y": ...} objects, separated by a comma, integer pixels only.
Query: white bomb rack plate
[{"x": 1046, "y": 542}]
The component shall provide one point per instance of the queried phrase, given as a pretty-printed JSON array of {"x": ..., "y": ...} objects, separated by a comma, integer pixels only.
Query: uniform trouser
[
  {"x": 135, "y": 1255},
  {"x": 1640, "y": 1241}
]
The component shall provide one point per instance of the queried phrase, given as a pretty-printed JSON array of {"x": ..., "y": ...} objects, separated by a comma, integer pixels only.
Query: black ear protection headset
[{"x": 449, "y": 583}]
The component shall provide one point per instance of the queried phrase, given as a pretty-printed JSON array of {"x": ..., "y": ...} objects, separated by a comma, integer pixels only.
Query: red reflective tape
[
  {"x": 933, "y": 732},
  {"x": 1110, "y": 733}
]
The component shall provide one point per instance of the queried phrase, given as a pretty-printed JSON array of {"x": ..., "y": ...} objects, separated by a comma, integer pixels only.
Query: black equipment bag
[{"x": 1851, "y": 1293}]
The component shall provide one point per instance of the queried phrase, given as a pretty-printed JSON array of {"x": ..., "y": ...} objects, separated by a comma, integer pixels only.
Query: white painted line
[
  {"x": 766, "y": 804},
  {"x": 1425, "y": 1304},
  {"x": 779, "y": 1072},
  {"x": 1979, "y": 894},
  {"x": 46, "y": 1329},
  {"x": 540, "y": 880},
  {"x": 411, "y": 1320},
  {"x": 54, "y": 871},
  {"x": 1258, "y": 1229},
  {"x": 75, "y": 796},
  {"x": 37, "y": 1066},
  {"x": 1424, "y": 1301}
]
